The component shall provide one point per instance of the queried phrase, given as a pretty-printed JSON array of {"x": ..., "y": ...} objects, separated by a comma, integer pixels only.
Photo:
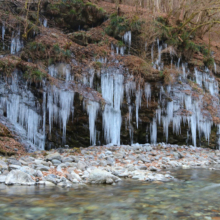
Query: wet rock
[
  {"x": 101, "y": 176},
  {"x": 52, "y": 178},
  {"x": 19, "y": 177},
  {"x": 48, "y": 183},
  {"x": 53, "y": 156},
  {"x": 109, "y": 181}
]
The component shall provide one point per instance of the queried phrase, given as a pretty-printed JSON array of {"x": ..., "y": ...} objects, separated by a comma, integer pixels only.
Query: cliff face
[{"x": 81, "y": 75}]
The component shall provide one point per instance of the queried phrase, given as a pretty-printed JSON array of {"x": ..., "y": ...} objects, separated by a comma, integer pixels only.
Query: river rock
[
  {"x": 2, "y": 178},
  {"x": 53, "y": 156},
  {"x": 13, "y": 167},
  {"x": 67, "y": 159},
  {"x": 13, "y": 161},
  {"x": 52, "y": 178},
  {"x": 19, "y": 177},
  {"x": 152, "y": 168},
  {"x": 3, "y": 166},
  {"x": 56, "y": 162},
  {"x": 73, "y": 177},
  {"x": 27, "y": 170},
  {"x": 42, "y": 168},
  {"x": 81, "y": 165},
  {"x": 101, "y": 176}
]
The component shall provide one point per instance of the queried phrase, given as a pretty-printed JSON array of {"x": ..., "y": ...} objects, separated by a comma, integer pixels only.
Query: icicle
[
  {"x": 92, "y": 110},
  {"x": 59, "y": 105},
  {"x": 16, "y": 44},
  {"x": 127, "y": 38},
  {"x": 45, "y": 22},
  {"x": 3, "y": 32},
  {"x": 153, "y": 129},
  {"x": 147, "y": 91},
  {"x": 138, "y": 102},
  {"x": 215, "y": 67},
  {"x": 112, "y": 92}
]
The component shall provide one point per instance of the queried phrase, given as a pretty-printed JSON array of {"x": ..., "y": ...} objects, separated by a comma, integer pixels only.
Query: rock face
[
  {"x": 102, "y": 176},
  {"x": 19, "y": 177}
]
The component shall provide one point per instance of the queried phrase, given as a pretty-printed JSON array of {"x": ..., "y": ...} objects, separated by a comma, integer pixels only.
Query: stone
[
  {"x": 42, "y": 168},
  {"x": 3, "y": 166},
  {"x": 53, "y": 156},
  {"x": 2, "y": 178},
  {"x": 67, "y": 159},
  {"x": 81, "y": 165},
  {"x": 52, "y": 178},
  {"x": 152, "y": 168},
  {"x": 60, "y": 167},
  {"x": 19, "y": 177},
  {"x": 23, "y": 162},
  {"x": 27, "y": 170},
  {"x": 13, "y": 167},
  {"x": 73, "y": 176},
  {"x": 109, "y": 181},
  {"x": 47, "y": 183},
  {"x": 142, "y": 167},
  {"x": 147, "y": 148},
  {"x": 110, "y": 161},
  {"x": 13, "y": 161},
  {"x": 56, "y": 162},
  {"x": 38, "y": 173},
  {"x": 101, "y": 176},
  {"x": 144, "y": 159}
]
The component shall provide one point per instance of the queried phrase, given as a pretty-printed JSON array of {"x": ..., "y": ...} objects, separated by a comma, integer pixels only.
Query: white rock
[
  {"x": 19, "y": 177},
  {"x": 101, "y": 176}
]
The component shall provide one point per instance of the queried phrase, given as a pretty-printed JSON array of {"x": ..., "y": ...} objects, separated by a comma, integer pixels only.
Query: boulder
[
  {"x": 73, "y": 177},
  {"x": 54, "y": 156},
  {"x": 101, "y": 176},
  {"x": 19, "y": 177}
]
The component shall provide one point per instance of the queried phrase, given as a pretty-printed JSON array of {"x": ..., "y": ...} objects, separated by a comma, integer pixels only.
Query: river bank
[{"x": 104, "y": 164}]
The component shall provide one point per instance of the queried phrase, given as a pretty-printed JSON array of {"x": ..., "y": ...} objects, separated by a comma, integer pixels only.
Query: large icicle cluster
[{"x": 19, "y": 104}]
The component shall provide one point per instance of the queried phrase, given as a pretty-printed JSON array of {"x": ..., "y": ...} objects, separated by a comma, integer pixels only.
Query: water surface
[{"x": 196, "y": 196}]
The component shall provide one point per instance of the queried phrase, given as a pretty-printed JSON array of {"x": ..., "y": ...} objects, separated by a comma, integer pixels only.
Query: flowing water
[{"x": 194, "y": 196}]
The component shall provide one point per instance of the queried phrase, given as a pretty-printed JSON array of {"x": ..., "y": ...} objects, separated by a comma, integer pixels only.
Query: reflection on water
[{"x": 196, "y": 196}]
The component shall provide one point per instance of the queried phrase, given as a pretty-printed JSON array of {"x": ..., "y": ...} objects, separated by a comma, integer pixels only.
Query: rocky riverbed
[{"x": 104, "y": 164}]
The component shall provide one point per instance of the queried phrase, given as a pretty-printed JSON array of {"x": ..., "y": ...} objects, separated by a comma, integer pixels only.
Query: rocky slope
[{"x": 79, "y": 74}]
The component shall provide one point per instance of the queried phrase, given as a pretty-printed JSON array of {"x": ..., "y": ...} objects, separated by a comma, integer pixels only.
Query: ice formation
[
  {"x": 92, "y": 110},
  {"x": 112, "y": 92}
]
